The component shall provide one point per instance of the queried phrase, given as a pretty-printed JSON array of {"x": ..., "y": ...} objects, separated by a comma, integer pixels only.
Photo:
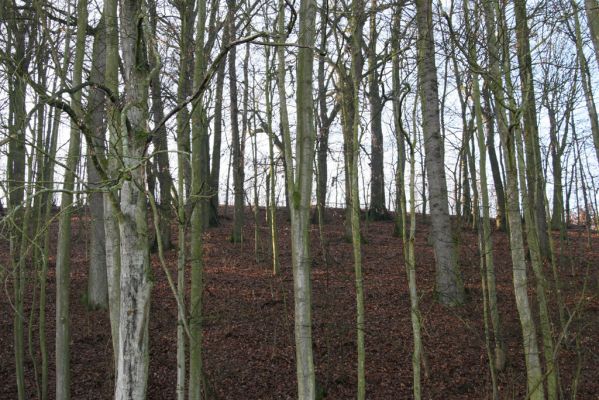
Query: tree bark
[
  {"x": 449, "y": 285},
  {"x": 593, "y": 20},
  {"x": 198, "y": 215},
  {"x": 520, "y": 281},
  {"x": 592, "y": 12},
  {"x": 16, "y": 182},
  {"x": 135, "y": 282},
  {"x": 238, "y": 157},
  {"x": 63, "y": 254},
  {"x": 357, "y": 24},
  {"x": 161, "y": 158},
  {"x": 377, "y": 210},
  {"x": 399, "y": 94},
  {"x": 299, "y": 189},
  {"x": 500, "y": 222},
  {"x": 97, "y": 288},
  {"x": 534, "y": 173}
]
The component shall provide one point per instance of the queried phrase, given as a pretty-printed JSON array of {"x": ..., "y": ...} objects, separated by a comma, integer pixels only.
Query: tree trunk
[
  {"x": 409, "y": 239},
  {"x": 377, "y": 210},
  {"x": 218, "y": 129},
  {"x": 161, "y": 158},
  {"x": 97, "y": 288},
  {"x": 500, "y": 222},
  {"x": 135, "y": 282},
  {"x": 531, "y": 131},
  {"x": 519, "y": 267},
  {"x": 485, "y": 233},
  {"x": 299, "y": 189},
  {"x": 16, "y": 180},
  {"x": 238, "y": 157},
  {"x": 111, "y": 231},
  {"x": 357, "y": 24},
  {"x": 592, "y": 11},
  {"x": 63, "y": 254},
  {"x": 183, "y": 182},
  {"x": 325, "y": 125},
  {"x": 399, "y": 94},
  {"x": 449, "y": 285},
  {"x": 593, "y": 20},
  {"x": 198, "y": 215}
]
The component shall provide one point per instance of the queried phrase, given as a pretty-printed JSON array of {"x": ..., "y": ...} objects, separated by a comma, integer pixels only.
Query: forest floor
[{"x": 248, "y": 320}]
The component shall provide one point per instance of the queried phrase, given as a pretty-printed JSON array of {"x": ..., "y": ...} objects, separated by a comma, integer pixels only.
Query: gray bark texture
[
  {"x": 97, "y": 284},
  {"x": 448, "y": 280},
  {"x": 135, "y": 283}
]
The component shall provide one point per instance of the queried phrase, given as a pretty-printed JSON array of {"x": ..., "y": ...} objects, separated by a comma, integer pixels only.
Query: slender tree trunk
[
  {"x": 347, "y": 122},
  {"x": 161, "y": 158},
  {"x": 593, "y": 21},
  {"x": 16, "y": 182},
  {"x": 218, "y": 129},
  {"x": 531, "y": 351},
  {"x": 325, "y": 125},
  {"x": 63, "y": 255},
  {"x": 377, "y": 177},
  {"x": 238, "y": 157},
  {"x": 272, "y": 172},
  {"x": 357, "y": 24},
  {"x": 409, "y": 239},
  {"x": 529, "y": 335},
  {"x": 183, "y": 182},
  {"x": 486, "y": 239},
  {"x": 500, "y": 222},
  {"x": 299, "y": 189},
  {"x": 51, "y": 146},
  {"x": 399, "y": 95},
  {"x": 97, "y": 288},
  {"x": 198, "y": 215},
  {"x": 532, "y": 239},
  {"x": 531, "y": 131},
  {"x": 111, "y": 231},
  {"x": 493, "y": 359},
  {"x": 184, "y": 83},
  {"x": 449, "y": 285}
]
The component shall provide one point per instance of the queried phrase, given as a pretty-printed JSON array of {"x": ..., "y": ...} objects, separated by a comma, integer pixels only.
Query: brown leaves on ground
[{"x": 248, "y": 320}]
